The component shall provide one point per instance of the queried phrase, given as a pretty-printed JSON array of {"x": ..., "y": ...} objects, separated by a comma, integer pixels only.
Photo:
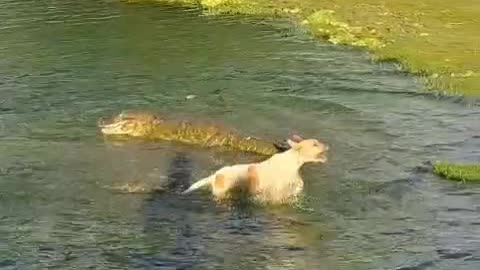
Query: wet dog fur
[{"x": 275, "y": 180}]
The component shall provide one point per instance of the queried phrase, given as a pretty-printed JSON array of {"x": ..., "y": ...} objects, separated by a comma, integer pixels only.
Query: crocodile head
[{"x": 135, "y": 124}]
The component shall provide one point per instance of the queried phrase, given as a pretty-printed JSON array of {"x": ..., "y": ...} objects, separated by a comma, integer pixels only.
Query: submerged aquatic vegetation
[
  {"x": 323, "y": 23},
  {"x": 434, "y": 39},
  {"x": 458, "y": 172}
]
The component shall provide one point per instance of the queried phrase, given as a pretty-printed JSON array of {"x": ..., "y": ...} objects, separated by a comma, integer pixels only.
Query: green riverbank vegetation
[
  {"x": 458, "y": 172},
  {"x": 436, "y": 39}
]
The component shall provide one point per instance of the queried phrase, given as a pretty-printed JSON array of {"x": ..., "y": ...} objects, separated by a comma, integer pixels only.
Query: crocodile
[{"x": 153, "y": 127}]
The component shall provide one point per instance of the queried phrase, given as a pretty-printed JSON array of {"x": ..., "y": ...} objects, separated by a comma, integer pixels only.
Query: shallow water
[{"x": 64, "y": 64}]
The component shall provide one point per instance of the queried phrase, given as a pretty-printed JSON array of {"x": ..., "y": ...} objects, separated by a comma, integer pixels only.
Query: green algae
[
  {"x": 458, "y": 172},
  {"x": 324, "y": 24},
  {"x": 434, "y": 39}
]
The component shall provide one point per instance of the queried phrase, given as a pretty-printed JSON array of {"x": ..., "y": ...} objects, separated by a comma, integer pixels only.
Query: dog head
[{"x": 309, "y": 150}]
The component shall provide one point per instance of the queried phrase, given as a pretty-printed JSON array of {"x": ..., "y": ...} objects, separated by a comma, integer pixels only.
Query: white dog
[{"x": 275, "y": 180}]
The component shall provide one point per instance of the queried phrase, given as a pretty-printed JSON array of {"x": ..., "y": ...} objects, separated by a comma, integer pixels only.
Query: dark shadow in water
[
  {"x": 168, "y": 216},
  {"x": 180, "y": 173}
]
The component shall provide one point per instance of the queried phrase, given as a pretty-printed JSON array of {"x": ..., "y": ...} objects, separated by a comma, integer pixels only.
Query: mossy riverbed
[{"x": 435, "y": 39}]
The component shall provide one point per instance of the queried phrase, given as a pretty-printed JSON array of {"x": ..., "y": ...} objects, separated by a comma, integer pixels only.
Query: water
[{"x": 64, "y": 64}]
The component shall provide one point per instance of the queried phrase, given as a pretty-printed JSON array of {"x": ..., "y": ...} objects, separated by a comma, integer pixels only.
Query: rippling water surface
[{"x": 64, "y": 64}]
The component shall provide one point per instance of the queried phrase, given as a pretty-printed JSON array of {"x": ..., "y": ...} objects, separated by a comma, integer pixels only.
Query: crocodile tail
[{"x": 199, "y": 184}]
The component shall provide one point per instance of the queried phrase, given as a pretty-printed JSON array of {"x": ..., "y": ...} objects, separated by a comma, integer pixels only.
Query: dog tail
[{"x": 199, "y": 184}]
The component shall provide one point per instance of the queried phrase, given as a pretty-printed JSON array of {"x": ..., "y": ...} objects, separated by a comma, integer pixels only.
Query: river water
[{"x": 64, "y": 64}]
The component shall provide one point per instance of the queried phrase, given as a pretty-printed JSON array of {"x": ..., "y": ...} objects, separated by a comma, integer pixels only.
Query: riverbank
[
  {"x": 458, "y": 172},
  {"x": 433, "y": 39}
]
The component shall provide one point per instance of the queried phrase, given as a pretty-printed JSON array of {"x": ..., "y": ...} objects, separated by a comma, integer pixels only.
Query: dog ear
[
  {"x": 296, "y": 138},
  {"x": 293, "y": 145}
]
